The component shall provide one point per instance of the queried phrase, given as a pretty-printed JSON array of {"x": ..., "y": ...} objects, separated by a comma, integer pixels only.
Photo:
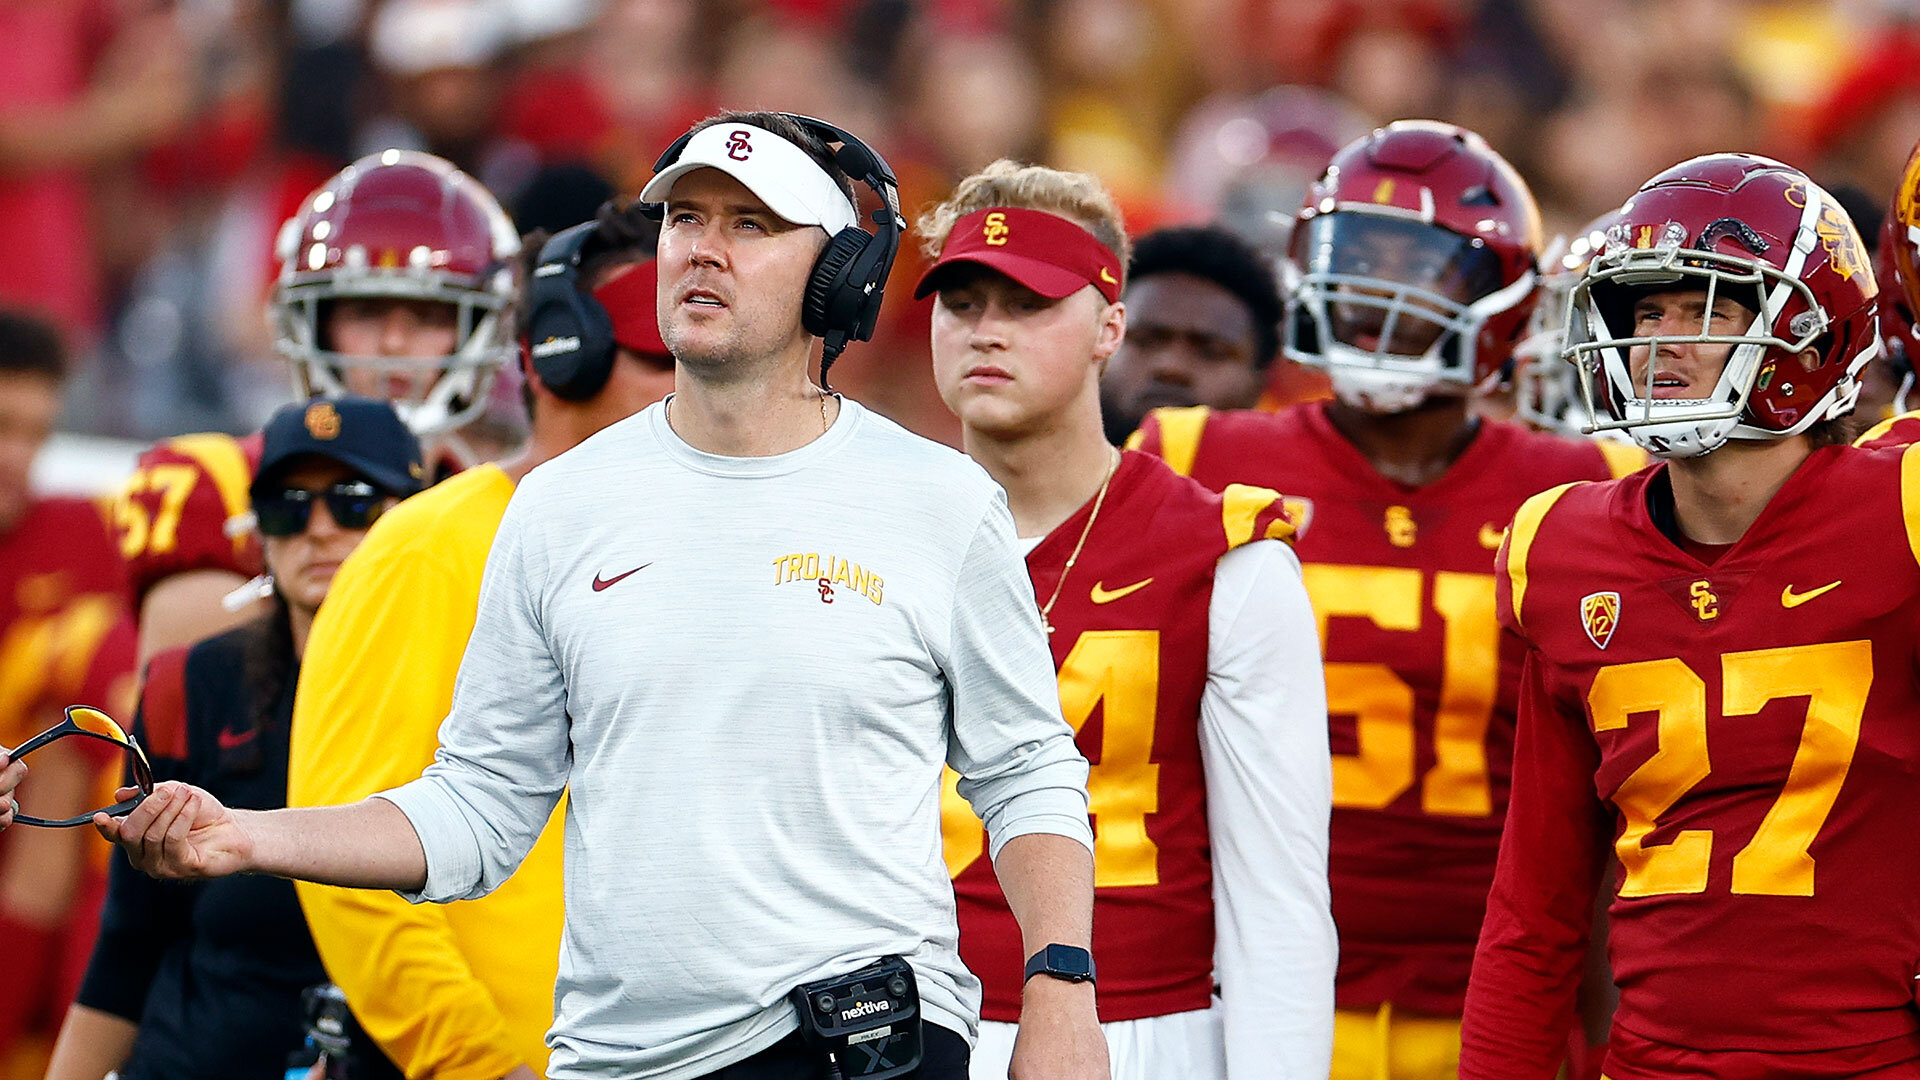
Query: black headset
[
  {"x": 569, "y": 333},
  {"x": 843, "y": 296}
]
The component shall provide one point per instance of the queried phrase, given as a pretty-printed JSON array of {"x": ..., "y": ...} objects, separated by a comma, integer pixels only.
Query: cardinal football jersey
[
  {"x": 1901, "y": 430},
  {"x": 1420, "y": 683},
  {"x": 186, "y": 507},
  {"x": 1743, "y": 734},
  {"x": 1130, "y": 647},
  {"x": 66, "y": 633}
]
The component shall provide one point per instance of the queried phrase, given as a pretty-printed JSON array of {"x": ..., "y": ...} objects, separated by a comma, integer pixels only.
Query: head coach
[{"x": 743, "y": 630}]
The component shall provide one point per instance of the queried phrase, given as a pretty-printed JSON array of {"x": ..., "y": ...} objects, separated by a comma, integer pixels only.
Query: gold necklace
[{"x": 1046, "y": 610}]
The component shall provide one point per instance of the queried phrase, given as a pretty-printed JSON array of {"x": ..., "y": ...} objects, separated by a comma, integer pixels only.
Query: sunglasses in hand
[
  {"x": 353, "y": 504},
  {"x": 83, "y": 722}
]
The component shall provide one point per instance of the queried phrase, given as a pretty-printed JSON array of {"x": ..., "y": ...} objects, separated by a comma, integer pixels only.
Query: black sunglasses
[
  {"x": 353, "y": 504},
  {"x": 86, "y": 722}
]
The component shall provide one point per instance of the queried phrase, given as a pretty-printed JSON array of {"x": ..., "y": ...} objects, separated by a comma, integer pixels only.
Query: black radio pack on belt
[{"x": 866, "y": 1023}]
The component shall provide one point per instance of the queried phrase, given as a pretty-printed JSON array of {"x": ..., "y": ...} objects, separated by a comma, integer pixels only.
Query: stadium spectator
[
  {"x": 86, "y": 89},
  {"x": 778, "y": 748},
  {"x": 464, "y": 990},
  {"x": 204, "y": 979},
  {"x": 443, "y": 64},
  {"x": 66, "y": 636}
]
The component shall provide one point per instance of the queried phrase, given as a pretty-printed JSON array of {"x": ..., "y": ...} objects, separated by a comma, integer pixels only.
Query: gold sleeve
[{"x": 451, "y": 994}]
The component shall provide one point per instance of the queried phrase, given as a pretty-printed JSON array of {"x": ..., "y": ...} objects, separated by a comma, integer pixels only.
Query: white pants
[{"x": 1178, "y": 1046}]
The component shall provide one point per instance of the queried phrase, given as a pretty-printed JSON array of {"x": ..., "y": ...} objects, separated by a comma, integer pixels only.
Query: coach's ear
[{"x": 1113, "y": 330}]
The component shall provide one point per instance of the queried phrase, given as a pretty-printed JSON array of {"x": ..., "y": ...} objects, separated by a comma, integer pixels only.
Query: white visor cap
[{"x": 779, "y": 173}]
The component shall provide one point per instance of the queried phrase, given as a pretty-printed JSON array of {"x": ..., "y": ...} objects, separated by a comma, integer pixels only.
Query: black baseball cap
[{"x": 364, "y": 434}]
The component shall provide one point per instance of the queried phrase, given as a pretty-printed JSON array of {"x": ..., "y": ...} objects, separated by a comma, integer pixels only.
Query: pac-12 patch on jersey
[{"x": 1600, "y": 613}]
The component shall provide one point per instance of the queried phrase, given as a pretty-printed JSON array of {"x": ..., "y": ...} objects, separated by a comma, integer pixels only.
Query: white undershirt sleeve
[{"x": 1263, "y": 739}]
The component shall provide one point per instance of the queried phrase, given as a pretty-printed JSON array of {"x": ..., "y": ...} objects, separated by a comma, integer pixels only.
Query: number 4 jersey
[
  {"x": 1131, "y": 646},
  {"x": 1746, "y": 737},
  {"x": 1420, "y": 685}
]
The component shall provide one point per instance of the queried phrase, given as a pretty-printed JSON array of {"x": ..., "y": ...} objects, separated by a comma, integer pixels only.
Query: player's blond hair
[{"x": 1076, "y": 196}]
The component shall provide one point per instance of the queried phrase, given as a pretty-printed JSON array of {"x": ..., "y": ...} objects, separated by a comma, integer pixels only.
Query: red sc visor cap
[{"x": 1047, "y": 253}]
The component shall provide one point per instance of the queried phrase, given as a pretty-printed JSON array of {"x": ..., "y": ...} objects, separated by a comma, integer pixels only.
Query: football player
[
  {"x": 1896, "y": 267},
  {"x": 1413, "y": 266},
  {"x": 1719, "y": 684},
  {"x": 1544, "y": 393},
  {"x": 395, "y": 278},
  {"x": 1203, "y": 327},
  {"x": 1187, "y": 664},
  {"x": 65, "y": 636}
]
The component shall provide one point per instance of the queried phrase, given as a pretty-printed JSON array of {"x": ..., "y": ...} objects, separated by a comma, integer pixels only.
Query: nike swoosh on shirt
[
  {"x": 600, "y": 583},
  {"x": 1791, "y": 599},
  {"x": 233, "y": 740},
  {"x": 1101, "y": 596}
]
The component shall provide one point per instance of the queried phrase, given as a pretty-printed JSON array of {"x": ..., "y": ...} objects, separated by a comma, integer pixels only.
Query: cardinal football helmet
[
  {"x": 405, "y": 225},
  {"x": 1412, "y": 266},
  {"x": 1762, "y": 233},
  {"x": 1896, "y": 264},
  {"x": 1546, "y": 390}
]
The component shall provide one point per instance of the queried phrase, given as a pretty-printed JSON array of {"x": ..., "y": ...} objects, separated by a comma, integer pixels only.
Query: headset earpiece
[{"x": 569, "y": 335}]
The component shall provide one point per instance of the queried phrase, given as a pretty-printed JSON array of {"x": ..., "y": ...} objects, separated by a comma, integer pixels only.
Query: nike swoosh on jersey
[
  {"x": 1491, "y": 535},
  {"x": 1790, "y": 599},
  {"x": 600, "y": 584},
  {"x": 233, "y": 740},
  {"x": 1102, "y": 596}
]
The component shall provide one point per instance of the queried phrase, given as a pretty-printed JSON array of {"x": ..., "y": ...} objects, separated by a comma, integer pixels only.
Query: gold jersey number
[
  {"x": 1120, "y": 670},
  {"x": 1834, "y": 678},
  {"x": 156, "y": 531},
  {"x": 1381, "y": 702}
]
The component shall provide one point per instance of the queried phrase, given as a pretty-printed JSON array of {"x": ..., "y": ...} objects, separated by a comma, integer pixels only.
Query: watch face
[{"x": 1070, "y": 961}]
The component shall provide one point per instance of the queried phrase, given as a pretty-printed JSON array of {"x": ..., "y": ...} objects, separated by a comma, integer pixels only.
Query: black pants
[{"x": 944, "y": 1057}]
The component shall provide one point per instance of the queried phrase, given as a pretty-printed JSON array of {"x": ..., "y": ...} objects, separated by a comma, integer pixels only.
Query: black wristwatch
[{"x": 1069, "y": 963}]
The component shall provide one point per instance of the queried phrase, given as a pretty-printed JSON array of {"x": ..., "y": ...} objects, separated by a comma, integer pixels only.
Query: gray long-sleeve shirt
[{"x": 746, "y": 673}]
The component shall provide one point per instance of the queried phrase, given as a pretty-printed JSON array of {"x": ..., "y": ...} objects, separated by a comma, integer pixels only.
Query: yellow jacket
[{"x": 456, "y": 992}]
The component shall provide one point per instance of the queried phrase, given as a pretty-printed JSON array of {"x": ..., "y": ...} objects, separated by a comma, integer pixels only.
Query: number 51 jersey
[
  {"x": 1420, "y": 683},
  {"x": 1753, "y": 727}
]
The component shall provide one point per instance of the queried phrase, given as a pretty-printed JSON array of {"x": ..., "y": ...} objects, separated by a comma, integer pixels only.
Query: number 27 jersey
[{"x": 1746, "y": 734}]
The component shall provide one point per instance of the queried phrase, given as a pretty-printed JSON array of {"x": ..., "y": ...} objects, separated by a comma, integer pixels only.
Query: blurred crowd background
[{"x": 149, "y": 149}]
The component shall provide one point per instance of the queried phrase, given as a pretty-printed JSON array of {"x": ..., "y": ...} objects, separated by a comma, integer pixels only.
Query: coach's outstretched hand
[
  {"x": 11, "y": 773},
  {"x": 179, "y": 831}
]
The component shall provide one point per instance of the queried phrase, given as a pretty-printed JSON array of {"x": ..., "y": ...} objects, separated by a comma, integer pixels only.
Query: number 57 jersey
[
  {"x": 1420, "y": 684},
  {"x": 186, "y": 508},
  {"x": 1746, "y": 736}
]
